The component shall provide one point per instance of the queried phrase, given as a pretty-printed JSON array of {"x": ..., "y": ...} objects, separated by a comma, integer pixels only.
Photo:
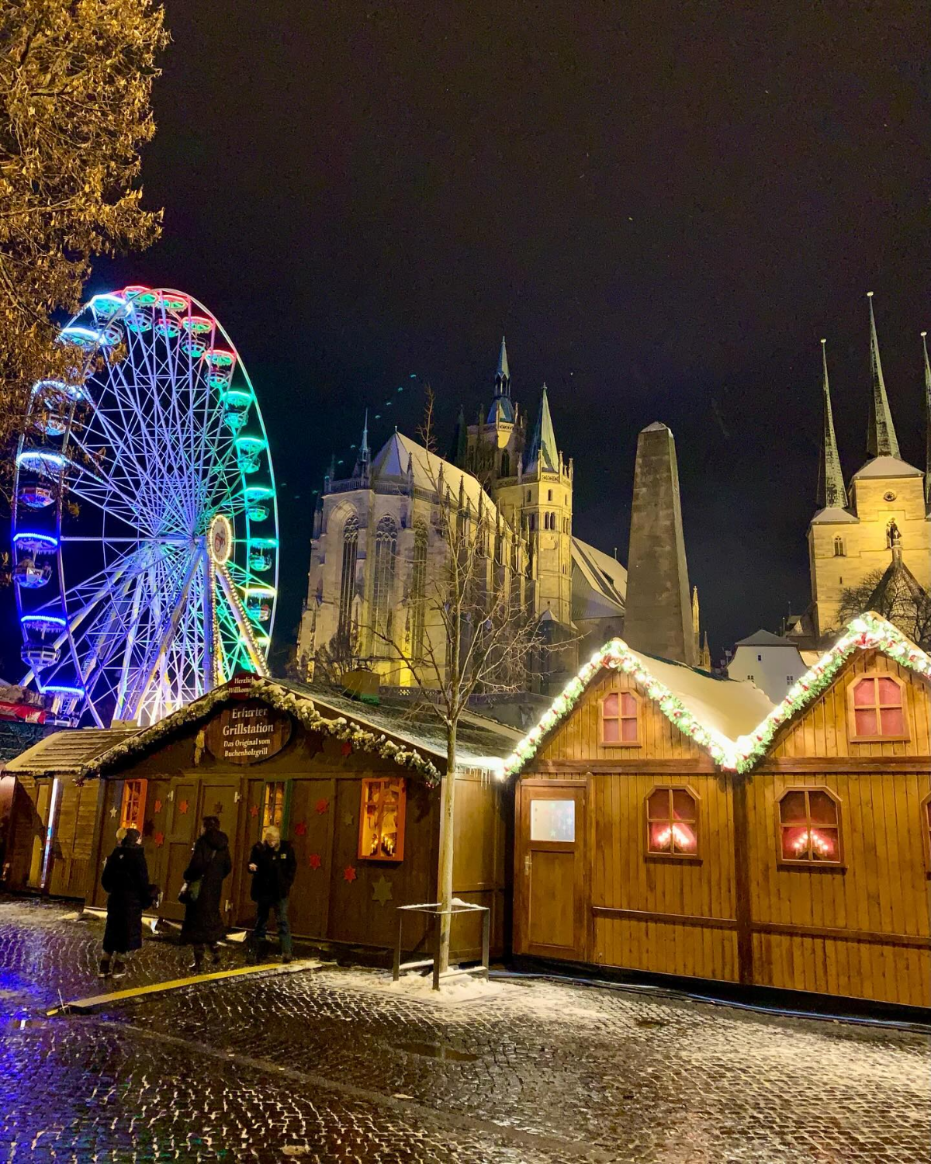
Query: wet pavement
[{"x": 330, "y": 1065}]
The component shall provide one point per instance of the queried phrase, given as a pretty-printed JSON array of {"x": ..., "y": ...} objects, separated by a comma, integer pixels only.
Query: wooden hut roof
[{"x": 66, "y": 752}]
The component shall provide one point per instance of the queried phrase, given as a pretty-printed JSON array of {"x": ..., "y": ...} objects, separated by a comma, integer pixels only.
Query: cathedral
[
  {"x": 376, "y": 548},
  {"x": 872, "y": 538}
]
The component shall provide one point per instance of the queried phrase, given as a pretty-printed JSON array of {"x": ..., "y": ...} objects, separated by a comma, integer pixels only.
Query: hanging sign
[
  {"x": 241, "y": 685},
  {"x": 248, "y": 733}
]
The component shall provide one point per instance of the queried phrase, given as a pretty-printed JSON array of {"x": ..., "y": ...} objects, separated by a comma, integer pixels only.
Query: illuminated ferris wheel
[{"x": 145, "y": 524}]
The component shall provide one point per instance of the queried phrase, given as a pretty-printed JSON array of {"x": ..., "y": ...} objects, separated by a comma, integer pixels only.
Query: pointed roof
[
  {"x": 881, "y": 439},
  {"x": 401, "y": 456},
  {"x": 364, "y": 455},
  {"x": 927, "y": 402},
  {"x": 765, "y": 638},
  {"x": 886, "y": 467},
  {"x": 831, "y": 491},
  {"x": 502, "y": 409},
  {"x": 542, "y": 452},
  {"x": 897, "y": 584}
]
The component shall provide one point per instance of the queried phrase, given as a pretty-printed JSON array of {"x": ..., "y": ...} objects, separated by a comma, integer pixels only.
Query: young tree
[
  {"x": 75, "y": 85},
  {"x": 902, "y": 602},
  {"x": 476, "y": 627}
]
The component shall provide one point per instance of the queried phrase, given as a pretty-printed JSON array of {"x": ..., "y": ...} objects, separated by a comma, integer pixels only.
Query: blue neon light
[
  {"x": 38, "y": 456},
  {"x": 51, "y": 619},
  {"x": 49, "y": 539},
  {"x": 62, "y": 690}
]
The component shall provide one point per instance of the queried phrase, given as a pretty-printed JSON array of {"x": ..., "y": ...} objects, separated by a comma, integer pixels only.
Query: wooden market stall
[
  {"x": 353, "y": 785},
  {"x": 675, "y": 823}
]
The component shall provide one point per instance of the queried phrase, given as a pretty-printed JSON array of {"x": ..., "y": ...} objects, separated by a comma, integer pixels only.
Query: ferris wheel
[{"x": 145, "y": 522}]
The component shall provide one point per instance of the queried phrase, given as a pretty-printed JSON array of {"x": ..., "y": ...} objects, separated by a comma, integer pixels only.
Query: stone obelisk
[{"x": 659, "y": 611}]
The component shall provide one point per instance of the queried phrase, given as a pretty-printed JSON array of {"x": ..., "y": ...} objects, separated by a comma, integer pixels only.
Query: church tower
[
  {"x": 879, "y": 527},
  {"x": 538, "y": 500},
  {"x": 494, "y": 444}
]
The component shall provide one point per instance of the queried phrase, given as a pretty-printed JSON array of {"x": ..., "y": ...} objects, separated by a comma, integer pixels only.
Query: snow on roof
[
  {"x": 391, "y": 465},
  {"x": 765, "y": 638},
  {"x": 886, "y": 467},
  {"x": 834, "y": 516},
  {"x": 68, "y": 751},
  {"x": 609, "y": 575},
  {"x": 733, "y": 720}
]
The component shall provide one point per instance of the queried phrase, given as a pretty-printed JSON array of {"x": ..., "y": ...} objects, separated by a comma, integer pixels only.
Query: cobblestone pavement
[{"x": 329, "y": 1065}]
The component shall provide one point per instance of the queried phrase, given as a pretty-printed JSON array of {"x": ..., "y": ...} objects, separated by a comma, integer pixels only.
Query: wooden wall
[
  {"x": 740, "y": 914},
  {"x": 335, "y": 896}
]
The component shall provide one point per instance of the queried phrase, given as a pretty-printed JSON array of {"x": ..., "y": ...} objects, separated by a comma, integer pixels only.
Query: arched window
[
  {"x": 386, "y": 549},
  {"x": 672, "y": 823},
  {"x": 505, "y": 464},
  {"x": 876, "y": 708},
  {"x": 809, "y": 827},
  {"x": 347, "y": 579},
  {"x": 620, "y": 720},
  {"x": 839, "y": 550},
  {"x": 418, "y": 590}
]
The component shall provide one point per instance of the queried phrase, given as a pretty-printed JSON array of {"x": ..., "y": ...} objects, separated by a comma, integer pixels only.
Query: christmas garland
[
  {"x": 300, "y": 706},
  {"x": 868, "y": 632}
]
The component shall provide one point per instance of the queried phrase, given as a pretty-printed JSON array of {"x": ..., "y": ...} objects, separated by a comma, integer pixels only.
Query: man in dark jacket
[
  {"x": 273, "y": 865},
  {"x": 210, "y": 864}
]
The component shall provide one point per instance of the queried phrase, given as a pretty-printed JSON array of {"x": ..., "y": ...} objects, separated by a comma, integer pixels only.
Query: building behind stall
[
  {"x": 353, "y": 785},
  {"x": 672, "y": 822}
]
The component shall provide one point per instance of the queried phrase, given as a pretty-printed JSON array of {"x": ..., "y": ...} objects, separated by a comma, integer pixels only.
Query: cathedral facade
[
  {"x": 874, "y": 536},
  {"x": 378, "y": 550}
]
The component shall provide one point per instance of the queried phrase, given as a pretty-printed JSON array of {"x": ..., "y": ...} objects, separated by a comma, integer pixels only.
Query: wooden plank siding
[{"x": 738, "y": 913}]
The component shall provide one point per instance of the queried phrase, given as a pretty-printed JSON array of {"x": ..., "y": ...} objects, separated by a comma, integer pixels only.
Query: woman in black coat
[
  {"x": 209, "y": 866},
  {"x": 126, "y": 880}
]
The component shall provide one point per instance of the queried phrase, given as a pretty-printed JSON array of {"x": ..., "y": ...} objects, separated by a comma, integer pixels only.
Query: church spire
[
  {"x": 502, "y": 410},
  {"x": 881, "y": 438},
  {"x": 542, "y": 452},
  {"x": 364, "y": 458},
  {"x": 924, "y": 344},
  {"x": 831, "y": 491}
]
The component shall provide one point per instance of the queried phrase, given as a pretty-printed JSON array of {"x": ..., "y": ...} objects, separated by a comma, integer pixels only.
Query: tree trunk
[{"x": 447, "y": 829}]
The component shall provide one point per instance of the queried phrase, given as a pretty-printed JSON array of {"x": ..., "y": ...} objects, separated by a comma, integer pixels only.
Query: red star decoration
[
  {"x": 346, "y": 748},
  {"x": 300, "y": 829},
  {"x": 158, "y": 806},
  {"x": 321, "y": 806},
  {"x": 183, "y": 807},
  {"x": 314, "y": 861},
  {"x": 349, "y": 873},
  {"x": 254, "y": 810},
  {"x": 159, "y": 840}
]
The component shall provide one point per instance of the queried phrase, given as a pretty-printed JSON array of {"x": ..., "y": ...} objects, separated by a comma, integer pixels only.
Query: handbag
[{"x": 190, "y": 891}]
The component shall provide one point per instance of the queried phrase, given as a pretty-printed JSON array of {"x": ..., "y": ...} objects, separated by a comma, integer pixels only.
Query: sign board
[
  {"x": 241, "y": 685},
  {"x": 248, "y": 733}
]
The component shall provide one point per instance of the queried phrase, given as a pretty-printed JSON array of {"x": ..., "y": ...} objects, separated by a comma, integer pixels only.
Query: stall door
[
  {"x": 181, "y": 832},
  {"x": 221, "y": 798},
  {"x": 551, "y": 871}
]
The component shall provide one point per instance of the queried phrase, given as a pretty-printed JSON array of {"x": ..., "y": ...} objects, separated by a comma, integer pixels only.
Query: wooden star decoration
[
  {"x": 112, "y": 812},
  {"x": 321, "y": 806},
  {"x": 157, "y": 806},
  {"x": 381, "y": 890},
  {"x": 300, "y": 829},
  {"x": 348, "y": 819},
  {"x": 159, "y": 840},
  {"x": 183, "y": 807},
  {"x": 218, "y": 808},
  {"x": 314, "y": 861},
  {"x": 254, "y": 810},
  {"x": 349, "y": 873}
]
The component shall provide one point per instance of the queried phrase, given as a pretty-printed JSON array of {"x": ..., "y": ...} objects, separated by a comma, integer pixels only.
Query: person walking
[
  {"x": 202, "y": 893},
  {"x": 273, "y": 866},
  {"x": 126, "y": 881}
]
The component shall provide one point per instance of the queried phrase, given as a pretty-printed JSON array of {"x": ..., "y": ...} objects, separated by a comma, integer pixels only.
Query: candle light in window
[
  {"x": 674, "y": 832},
  {"x": 819, "y": 844}
]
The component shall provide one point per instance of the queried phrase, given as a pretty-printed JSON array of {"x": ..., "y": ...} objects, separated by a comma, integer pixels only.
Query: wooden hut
[
  {"x": 675, "y": 823},
  {"x": 353, "y": 785}
]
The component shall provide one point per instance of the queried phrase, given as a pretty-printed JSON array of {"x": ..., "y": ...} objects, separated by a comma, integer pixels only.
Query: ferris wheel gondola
[{"x": 145, "y": 526}]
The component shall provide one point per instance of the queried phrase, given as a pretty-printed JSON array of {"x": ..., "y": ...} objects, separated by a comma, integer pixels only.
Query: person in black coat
[
  {"x": 273, "y": 865},
  {"x": 209, "y": 866},
  {"x": 126, "y": 880}
]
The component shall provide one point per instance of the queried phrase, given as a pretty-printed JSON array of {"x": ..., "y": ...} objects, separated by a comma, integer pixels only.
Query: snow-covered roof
[
  {"x": 887, "y": 467},
  {"x": 67, "y": 752},
  {"x": 403, "y": 730},
  {"x": 733, "y": 720},
  {"x": 599, "y": 582},
  {"x": 834, "y": 516},
  {"x": 765, "y": 638},
  {"x": 391, "y": 464}
]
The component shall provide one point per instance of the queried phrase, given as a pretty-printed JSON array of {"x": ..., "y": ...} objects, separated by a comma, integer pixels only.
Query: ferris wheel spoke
[{"x": 241, "y": 620}]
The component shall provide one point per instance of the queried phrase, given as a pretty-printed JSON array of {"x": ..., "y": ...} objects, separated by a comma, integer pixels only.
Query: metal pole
[
  {"x": 486, "y": 938},
  {"x": 437, "y": 943}
]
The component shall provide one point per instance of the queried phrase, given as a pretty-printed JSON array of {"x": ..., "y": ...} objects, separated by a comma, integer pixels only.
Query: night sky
[{"x": 664, "y": 207}]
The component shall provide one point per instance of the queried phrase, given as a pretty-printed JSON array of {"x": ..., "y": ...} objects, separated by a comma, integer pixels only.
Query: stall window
[
  {"x": 877, "y": 708},
  {"x": 809, "y": 827},
  {"x": 672, "y": 823},
  {"x": 381, "y": 819},
  {"x": 273, "y": 805},
  {"x": 620, "y": 720},
  {"x": 132, "y": 808}
]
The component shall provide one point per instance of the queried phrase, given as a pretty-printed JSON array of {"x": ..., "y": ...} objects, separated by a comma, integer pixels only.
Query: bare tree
[{"x": 906, "y": 606}]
